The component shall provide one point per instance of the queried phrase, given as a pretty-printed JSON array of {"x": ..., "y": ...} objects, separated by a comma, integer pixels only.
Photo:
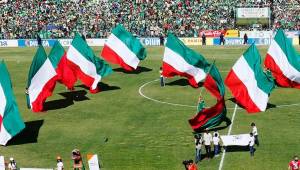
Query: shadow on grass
[
  {"x": 28, "y": 135},
  {"x": 139, "y": 69},
  {"x": 237, "y": 148},
  {"x": 102, "y": 86},
  {"x": 179, "y": 82},
  {"x": 69, "y": 98}
]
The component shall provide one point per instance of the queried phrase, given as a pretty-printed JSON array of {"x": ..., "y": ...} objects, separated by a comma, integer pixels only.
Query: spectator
[
  {"x": 12, "y": 165},
  {"x": 76, "y": 157},
  {"x": 294, "y": 164},
  {"x": 251, "y": 144},
  {"x": 59, "y": 165},
  {"x": 207, "y": 142},
  {"x": 255, "y": 133},
  {"x": 216, "y": 141},
  {"x": 198, "y": 143}
]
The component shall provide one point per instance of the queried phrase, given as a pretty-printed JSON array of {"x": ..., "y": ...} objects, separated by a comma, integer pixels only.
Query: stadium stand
[{"x": 95, "y": 18}]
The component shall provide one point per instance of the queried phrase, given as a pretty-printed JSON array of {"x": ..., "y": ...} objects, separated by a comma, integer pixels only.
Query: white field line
[
  {"x": 229, "y": 131},
  {"x": 192, "y": 106}
]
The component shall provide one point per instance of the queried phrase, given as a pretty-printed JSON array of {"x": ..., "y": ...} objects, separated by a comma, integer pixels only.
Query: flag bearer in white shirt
[
  {"x": 207, "y": 142},
  {"x": 216, "y": 141},
  {"x": 255, "y": 133},
  {"x": 251, "y": 144},
  {"x": 198, "y": 143}
]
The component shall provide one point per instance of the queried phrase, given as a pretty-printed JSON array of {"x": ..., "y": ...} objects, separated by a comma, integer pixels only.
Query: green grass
[{"x": 143, "y": 134}]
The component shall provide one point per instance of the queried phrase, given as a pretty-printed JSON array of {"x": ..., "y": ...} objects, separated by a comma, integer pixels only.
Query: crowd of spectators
[{"x": 96, "y": 18}]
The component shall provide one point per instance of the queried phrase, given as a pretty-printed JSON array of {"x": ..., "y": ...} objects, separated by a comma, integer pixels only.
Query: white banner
[
  {"x": 253, "y": 13},
  {"x": 256, "y": 34},
  {"x": 240, "y": 140},
  {"x": 2, "y": 163},
  {"x": 8, "y": 43},
  {"x": 93, "y": 161}
]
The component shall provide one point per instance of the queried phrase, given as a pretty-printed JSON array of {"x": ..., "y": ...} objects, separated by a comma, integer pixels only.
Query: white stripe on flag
[
  {"x": 3, "y": 101},
  {"x": 123, "y": 51},
  {"x": 247, "y": 76},
  {"x": 85, "y": 65},
  {"x": 281, "y": 60},
  {"x": 39, "y": 80},
  {"x": 177, "y": 62},
  {"x": 4, "y": 135}
]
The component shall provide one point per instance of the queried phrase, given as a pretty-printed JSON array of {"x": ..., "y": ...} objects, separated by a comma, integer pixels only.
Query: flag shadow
[
  {"x": 139, "y": 69},
  {"x": 102, "y": 86},
  {"x": 69, "y": 98},
  {"x": 179, "y": 82},
  {"x": 28, "y": 135}
]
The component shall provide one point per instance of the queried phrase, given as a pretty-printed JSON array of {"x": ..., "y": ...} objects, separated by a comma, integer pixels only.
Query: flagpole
[{"x": 201, "y": 89}]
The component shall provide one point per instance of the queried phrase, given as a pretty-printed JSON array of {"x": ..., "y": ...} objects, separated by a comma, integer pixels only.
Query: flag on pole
[
  {"x": 248, "y": 83},
  {"x": 283, "y": 61},
  {"x": 85, "y": 64},
  {"x": 58, "y": 59},
  {"x": 41, "y": 80},
  {"x": 11, "y": 122},
  {"x": 180, "y": 60},
  {"x": 215, "y": 115},
  {"x": 124, "y": 49}
]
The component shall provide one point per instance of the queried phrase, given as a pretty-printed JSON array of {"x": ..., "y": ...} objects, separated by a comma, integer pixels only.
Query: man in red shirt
[{"x": 294, "y": 164}]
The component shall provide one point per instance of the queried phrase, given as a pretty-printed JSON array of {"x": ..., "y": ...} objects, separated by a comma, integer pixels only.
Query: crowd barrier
[{"x": 149, "y": 41}]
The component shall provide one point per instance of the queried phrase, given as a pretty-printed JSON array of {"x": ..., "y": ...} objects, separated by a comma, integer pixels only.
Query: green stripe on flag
[
  {"x": 286, "y": 46},
  {"x": 253, "y": 59},
  {"x": 189, "y": 55},
  {"x": 12, "y": 120},
  {"x": 86, "y": 51},
  {"x": 56, "y": 54},
  {"x": 130, "y": 41},
  {"x": 214, "y": 72},
  {"x": 37, "y": 62}
]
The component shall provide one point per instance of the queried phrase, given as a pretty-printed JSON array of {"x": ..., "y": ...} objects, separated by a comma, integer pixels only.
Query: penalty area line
[{"x": 229, "y": 131}]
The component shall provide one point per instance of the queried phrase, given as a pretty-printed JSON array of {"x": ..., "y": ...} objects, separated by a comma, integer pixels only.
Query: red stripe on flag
[
  {"x": 280, "y": 78},
  {"x": 65, "y": 73},
  {"x": 37, "y": 105},
  {"x": 211, "y": 85},
  {"x": 169, "y": 71},
  {"x": 111, "y": 56},
  {"x": 85, "y": 79},
  {"x": 240, "y": 92},
  {"x": 206, "y": 114}
]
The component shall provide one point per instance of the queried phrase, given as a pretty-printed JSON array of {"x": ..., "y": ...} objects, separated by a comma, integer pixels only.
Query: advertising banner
[
  {"x": 34, "y": 43},
  {"x": 292, "y": 34},
  {"x": 232, "y": 33},
  {"x": 150, "y": 41},
  {"x": 191, "y": 41},
  {"x": 253, "y": 13},
  {"x": 236, "y": 140},
  {"x": 211, "y": 33},
  {"x": 93, "y": 161},
  {"x": 256, "y": 34},
  {"x": 8, "y": 43}
]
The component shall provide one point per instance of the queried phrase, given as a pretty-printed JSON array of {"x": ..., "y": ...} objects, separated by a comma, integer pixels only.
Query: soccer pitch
[{"x": 129, "y": 131}]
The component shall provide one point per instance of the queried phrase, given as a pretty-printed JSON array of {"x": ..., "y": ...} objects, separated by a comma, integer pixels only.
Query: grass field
[{"x": 143, "y": 134}]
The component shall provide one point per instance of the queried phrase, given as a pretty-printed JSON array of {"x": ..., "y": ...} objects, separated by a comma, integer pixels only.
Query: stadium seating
[{"x": 95, "y": 19}]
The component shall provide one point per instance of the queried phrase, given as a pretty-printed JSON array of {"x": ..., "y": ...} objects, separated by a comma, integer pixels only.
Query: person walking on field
[
  {"x": 294, "y": 164},
  {"x": 60, "y": 165},
  {"x": 198, "y": 143},
  {"x": 216, "y": 141},
  {"x": 255, "y": 133},
  {"x": 245, "y": 39},
  {"x": 207, "y": 142},
  {"x": 251, "y": 144},
  {"x": 12, "y": 165},
  {"x": 162, "y": 79}
]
